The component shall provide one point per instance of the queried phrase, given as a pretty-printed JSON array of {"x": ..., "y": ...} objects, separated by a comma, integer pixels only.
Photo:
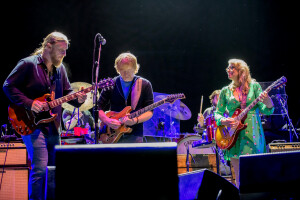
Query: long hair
[
  {"x": 51, "y": 38},
  {"x": 244, "y": 76}
]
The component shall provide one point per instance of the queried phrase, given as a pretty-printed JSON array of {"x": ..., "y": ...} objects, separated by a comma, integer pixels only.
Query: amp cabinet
[
  {"x": 14, "y": 171},
  {"x": 14, "y": 185},
  {"x": 283, "y": 146},
  {"x": 13, "y": 154}
]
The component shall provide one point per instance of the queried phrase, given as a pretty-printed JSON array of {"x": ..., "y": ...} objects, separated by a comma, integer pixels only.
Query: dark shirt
[
  {"x": 29, "y": 80},
  {"x": 114, "y": 100}
]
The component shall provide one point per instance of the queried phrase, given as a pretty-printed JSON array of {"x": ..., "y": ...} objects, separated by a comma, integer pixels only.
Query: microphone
[{"x": 102, "y": 40}]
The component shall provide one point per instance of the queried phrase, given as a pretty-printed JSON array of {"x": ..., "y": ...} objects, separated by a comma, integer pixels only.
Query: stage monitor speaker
[
  {"x": 270, "y": 175},
  {"x": 14, "y": 183},
  {"x": 205, "y": 184},
  {"x": 117, "y": 171}
]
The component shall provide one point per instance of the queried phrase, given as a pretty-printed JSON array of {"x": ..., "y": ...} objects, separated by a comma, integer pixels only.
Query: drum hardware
[
  {"x": 160, "y": 127},
  {"x": 187, "y": 159},
  {"x": 208, "y": 137},
  {"x": 71, "y": 138},
  {"x": 186, "y": 142},
  {"x": 208, "y": 134},
  {"x": 177, "y": 110},
  {"x": 197, "y": 129}
]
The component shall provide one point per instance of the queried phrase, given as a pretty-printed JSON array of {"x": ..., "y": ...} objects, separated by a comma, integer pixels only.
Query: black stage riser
[{"x": 270, "y": 176}]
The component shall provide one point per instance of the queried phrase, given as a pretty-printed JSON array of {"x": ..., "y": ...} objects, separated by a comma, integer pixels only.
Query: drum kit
[
  {"x": 165, "y": 121},
  {"x": 79, "y": 135},
  {"x": 198, "y": 142}
]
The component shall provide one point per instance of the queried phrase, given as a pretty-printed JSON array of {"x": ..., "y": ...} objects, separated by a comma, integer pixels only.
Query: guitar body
[
  {"x": 25, "y": 121},
  {"x": 113, "y": 135},
  {"x": 226, "y": 137}
]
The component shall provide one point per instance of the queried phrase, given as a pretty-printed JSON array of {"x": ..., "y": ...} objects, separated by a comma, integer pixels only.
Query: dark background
[{"x": 182, "y": 46}]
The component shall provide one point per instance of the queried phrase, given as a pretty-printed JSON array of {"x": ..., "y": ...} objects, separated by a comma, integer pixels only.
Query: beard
[{"x": 56, "y": 61}]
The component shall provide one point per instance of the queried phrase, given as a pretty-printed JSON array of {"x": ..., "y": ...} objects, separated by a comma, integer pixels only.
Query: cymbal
[
  {"x": 176, "y": 110},
  {"x": 88, "y": 104}
]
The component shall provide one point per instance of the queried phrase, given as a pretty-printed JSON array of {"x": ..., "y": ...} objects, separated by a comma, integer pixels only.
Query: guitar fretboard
[
  {"x": 147, "y": 108},
  {"x": 68, "y": 97},
  {"x": 104, "y": 84},
  {"x": 246, "y": 110}
]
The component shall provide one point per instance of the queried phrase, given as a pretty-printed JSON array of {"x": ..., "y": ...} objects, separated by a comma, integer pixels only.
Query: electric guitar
[
  {"x": 225, "y": 136},
  {"x": 110, "y": 135},
  {"x": 25, "y": 121}
]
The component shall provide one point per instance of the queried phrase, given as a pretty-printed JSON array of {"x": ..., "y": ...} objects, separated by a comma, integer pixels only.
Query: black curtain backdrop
[{"x": 182, "y": 45}]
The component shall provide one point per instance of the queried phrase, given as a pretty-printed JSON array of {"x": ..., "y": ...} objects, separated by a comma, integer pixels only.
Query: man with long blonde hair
[{"x": 34, "y": 76}]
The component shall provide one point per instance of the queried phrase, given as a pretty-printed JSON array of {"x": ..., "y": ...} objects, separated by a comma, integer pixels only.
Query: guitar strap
[
  {"x": 136, "y": 92},
  {"x": 244, "y": 101}
]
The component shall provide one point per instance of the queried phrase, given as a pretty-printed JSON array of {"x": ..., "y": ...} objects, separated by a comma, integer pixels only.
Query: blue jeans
[{"x": 40, "y": 146}]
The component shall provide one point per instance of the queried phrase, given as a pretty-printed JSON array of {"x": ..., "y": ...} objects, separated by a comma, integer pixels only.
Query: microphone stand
[
  {"x": 187, "y": 159},
  {"x": 290, "y": 124},
  {"x": 97, "y": 41}
]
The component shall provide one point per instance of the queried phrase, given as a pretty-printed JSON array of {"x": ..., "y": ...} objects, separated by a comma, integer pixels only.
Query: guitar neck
[
  {"x": 68, "y": 97},
  {"x": 146, "y": 109},
  {"x": 246, "y": 110}
]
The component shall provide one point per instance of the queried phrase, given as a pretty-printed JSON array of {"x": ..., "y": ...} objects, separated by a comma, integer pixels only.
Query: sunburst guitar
[
  {"x": 109, "y": 135},
  {"x": 226, "y": 137}
]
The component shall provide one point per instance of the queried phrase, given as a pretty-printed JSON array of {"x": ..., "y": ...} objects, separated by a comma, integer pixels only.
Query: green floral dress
[{"x": 250, "y": 140}]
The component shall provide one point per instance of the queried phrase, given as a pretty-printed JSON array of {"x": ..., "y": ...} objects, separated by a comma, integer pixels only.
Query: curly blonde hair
[{"x": 244, "y": 76}]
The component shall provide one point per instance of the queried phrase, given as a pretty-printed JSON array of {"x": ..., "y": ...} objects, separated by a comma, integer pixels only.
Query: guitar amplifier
[
  {"x": 14, "y": 183},
  {"x": 285, "y": 146},
  {"x": 13, "y": 154}
]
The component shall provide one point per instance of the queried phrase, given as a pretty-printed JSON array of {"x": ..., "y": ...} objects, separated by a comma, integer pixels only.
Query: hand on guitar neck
[{"x": 265, "y": 99}]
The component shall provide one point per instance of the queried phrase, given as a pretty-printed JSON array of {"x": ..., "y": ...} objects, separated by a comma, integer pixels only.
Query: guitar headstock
[
  {"x": 173, "y": 97},
  {"x": 106, "y": 84},
  {"x": 280, "y": 82}
]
